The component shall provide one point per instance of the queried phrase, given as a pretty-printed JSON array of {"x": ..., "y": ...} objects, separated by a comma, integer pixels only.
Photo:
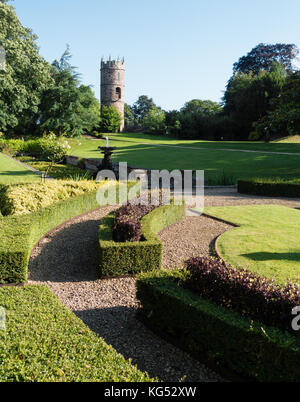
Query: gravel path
[{"x": 66, "y": 260}]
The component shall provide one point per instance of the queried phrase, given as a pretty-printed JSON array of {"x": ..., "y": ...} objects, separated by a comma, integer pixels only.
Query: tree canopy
[
  {"x": 284, "y": 117},
  {"x": 248, "y": 97},
  {"x": 26, "y": 73},
  {"x": 68, "y": 108},
  {"x": 264, "y": 55}
]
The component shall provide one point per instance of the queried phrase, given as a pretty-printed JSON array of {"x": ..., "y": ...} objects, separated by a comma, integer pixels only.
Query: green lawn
[
  {"x": 267, "y": 241},
  {"x": 44, "y": 341},
  {"x": 13, "y": 173},
  {"x": 141, "y": 150}
]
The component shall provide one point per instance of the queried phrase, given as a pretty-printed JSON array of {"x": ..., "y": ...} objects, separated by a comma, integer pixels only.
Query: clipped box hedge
[
  {"x": 269, "y": 188},
  {"x": 117, "y": 258},
  {"x": 30, "y": 197},
  {"x": 18, "y": 234},
  {"x": 216, "y": 334}
]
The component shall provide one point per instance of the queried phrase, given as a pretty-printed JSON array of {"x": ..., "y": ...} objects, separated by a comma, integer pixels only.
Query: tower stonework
[{"x": 113, "y": 85}]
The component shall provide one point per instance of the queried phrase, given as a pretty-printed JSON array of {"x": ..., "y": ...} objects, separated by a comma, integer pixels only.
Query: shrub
[
  {"x": 120, "y": 258},
  {"x": 11, "y": 147},
  {"x": 49, "y": 147},
  {"x": 26, "y": 198},
  {"x": 243, "y": 291},
  {"x": 269, "y": 187},
  {"x": 215, "y": 334},
  {"x": 33, "y": 148},
  {"x": 127, "y": 226}
]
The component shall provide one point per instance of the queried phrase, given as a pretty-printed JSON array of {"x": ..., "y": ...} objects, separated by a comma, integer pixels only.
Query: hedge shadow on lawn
[{"x": 265, "y": 256}]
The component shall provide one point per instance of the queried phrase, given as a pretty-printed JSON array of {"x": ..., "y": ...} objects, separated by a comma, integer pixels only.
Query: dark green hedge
[
  {"x": 18, "y": 234},
  {"x": 132, "y": 257},
  {"x": 217, "y": 334},
  {"x": 269, "y": 188}
]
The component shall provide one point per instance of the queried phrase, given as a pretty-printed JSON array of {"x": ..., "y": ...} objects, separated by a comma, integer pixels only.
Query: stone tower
[{"x": 112, "y": 85}]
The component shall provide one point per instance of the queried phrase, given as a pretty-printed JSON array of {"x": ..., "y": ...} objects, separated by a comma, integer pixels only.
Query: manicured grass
[
  {"x": 141, "y": 150},
  {"x": 293, "y": 139},
  {"x": 267, "y": 241},
  {"x": 13, "y": 173},
  {"x": 58, "y": 170},
  {"x": 44, "y": 341}
]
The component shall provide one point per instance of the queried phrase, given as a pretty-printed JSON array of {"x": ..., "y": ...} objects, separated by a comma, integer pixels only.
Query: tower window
[
  {"x": 118, "y": 93},
  {"x": 119, "y": 76}
]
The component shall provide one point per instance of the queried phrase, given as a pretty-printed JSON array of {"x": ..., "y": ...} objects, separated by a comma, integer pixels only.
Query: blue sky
[{"x": 175, "y": 50}]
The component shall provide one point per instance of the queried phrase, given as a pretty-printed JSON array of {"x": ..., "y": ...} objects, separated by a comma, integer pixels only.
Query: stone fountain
[{"x": 107, "y": 151}]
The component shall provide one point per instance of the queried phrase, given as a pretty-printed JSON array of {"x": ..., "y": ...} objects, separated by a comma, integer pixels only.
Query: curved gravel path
[{"x": 66, "y": 260}]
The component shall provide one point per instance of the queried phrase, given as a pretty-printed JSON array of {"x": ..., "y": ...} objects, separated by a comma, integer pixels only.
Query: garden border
[
  {"x": 19, "y": 233},
  {"x": 214, "y": 333},
  {"x": 268, "y": 188}
]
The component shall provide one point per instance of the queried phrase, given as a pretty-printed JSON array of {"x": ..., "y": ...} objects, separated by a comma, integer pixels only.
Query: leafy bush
[
  {"x": 27, "y": 198},
  {"x": 33, "y": 148},
  {"x": 127, "y": 225},
  {"x": 269, "y": 187},
  {"x": 121, "y": 258},
  {"x": 11, "y": 147},
  {"x": 216, "y": 334},
  {"x": 49, "y": 148},
  {"x": 243, "y": 291}
]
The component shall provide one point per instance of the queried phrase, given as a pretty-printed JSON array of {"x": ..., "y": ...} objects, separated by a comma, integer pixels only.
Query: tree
[
  {"x": 25, "y": 77},
  {"x": 263, "y": 56},
  {"x": 142, "y": 107},
  {"x": 155, "y": 120},
  {"x": 128, "y": 116},
  {"x": 172, "y": 122},
  {"x": 68, "y": 108},
  {"x": 201, "y": 107},
  {"x": 90, "y": 110},
  {"x": 284, "y": 118},
  {"x": 197, "y": 118},
  {"x": 110, "y": 119},
  {"x": 248, "y": 97}
]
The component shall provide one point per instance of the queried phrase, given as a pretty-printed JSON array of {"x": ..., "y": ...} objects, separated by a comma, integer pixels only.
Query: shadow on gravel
[
  {"x": 119, "y": 327},
  {"x": 67, "y": 255}
]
